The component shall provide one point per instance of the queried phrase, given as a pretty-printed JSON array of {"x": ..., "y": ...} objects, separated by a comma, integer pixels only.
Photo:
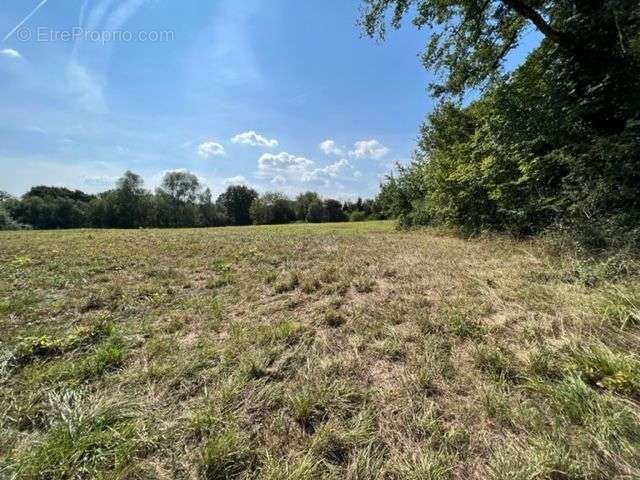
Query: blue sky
[{"x": 278, "y": 94}]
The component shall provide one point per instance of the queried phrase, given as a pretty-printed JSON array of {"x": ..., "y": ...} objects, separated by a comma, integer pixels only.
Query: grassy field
[{"x": 314, "y": 351}]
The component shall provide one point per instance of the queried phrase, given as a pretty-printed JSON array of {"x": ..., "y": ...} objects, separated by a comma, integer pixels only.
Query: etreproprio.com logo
[{"x": 48, "y": 34}]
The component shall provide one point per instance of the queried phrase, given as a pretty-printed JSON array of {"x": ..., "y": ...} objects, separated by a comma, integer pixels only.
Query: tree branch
[
  {"x": 541, "y": 24},
  {"x": 506, "y": 46}
]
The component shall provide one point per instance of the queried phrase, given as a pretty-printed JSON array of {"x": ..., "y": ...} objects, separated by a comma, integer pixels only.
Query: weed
[
  {"x": 286, "y": 283},
  {"x": 334, "y": 319},
  {"x": 364, "y": 284},
  {"x": 310, "y": 284},
  {"x": 498, "y": 361},
  {"x": 87, "y": 439},
  {"x": 306, "y": 408},
  {"x": 426, "y": 465},
  {"x": 226, "y": 455}
]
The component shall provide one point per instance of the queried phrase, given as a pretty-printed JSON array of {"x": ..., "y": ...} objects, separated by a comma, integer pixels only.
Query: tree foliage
[
  {"x": 272, "y": 208},
  {"x": 236, "y": 201},
  {"x": 180, "y": 201},
  {"x": 470, "y": 39},
  {"x": 554, "y": 144}
]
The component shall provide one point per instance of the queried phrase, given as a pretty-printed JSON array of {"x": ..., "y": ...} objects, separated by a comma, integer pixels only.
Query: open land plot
[{"x": 313, "y": 351}]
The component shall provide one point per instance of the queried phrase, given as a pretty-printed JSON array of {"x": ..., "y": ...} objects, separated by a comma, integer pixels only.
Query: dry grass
[{"x": 312, "y": 351}]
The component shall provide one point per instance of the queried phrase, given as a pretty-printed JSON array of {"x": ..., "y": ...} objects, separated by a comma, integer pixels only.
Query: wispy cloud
[
  {"x": 98, "y": 13},
  {"x": 86, "y": 88},
  {"x": 278, "y": 181},
  {"x": 224, "y": 53},
  {"x": 237, "y": 180},
  {"x": 122, "y": 14}
]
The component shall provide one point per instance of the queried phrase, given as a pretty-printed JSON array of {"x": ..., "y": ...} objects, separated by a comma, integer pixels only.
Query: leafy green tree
[
  {"x": 272, "y": 208},
  {"x": 43, "y": 191},
  {"x": 236, "y": 203},
  {"x": 553, "y": 143},
  {"x": 129, "y": 196},
  {"x": 182, "y": 187},
  {"x": 357, "y": 216},
  {"x": 302, "y": 203},
  {"x": 51, "y": 207},
  {"x": 315, "y": 212},
  {"x": 332, "y": 211},
  {"x": 6, "y": 221},
  {"x": 470, "y": 39},
  {"x": 211, "y": 214},
  {"x": 176, "y": 200}
]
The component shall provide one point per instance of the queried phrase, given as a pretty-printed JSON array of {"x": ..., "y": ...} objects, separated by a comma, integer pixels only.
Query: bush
[
  {"x": 6, "y": 222},
  {"x": 315, "y": 212},
  {"x": 357, "y": 216},
  {"x": 272, "y": 208},
  {"x": 333, "y": 211}
]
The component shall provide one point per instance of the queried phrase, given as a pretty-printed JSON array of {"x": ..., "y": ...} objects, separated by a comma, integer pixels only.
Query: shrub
[
  {"x": 357, "y": 216},
  {"x": 6, "y": 222}
]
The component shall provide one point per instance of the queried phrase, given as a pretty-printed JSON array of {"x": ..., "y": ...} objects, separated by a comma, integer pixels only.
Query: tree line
[
  {"x": 553, "y": 145},
  {"x": 180, "y": 201}
]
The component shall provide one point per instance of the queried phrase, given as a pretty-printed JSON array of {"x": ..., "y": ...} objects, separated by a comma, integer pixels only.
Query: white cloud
[
  {"x": 254, "y": 139},
  {"x": 278, "y": 180},
  {"x": 369, "y": 149},
  {"x": 329, "y": 147},
  {"x": 210, "y": 149},
  {"x": 283, "y": 161},
  {"x": 237, "y": 180},
  {"x": 10, "y": 52},
  {"x": 333, "y": 169},
  {"x": 294, "y": 169}
]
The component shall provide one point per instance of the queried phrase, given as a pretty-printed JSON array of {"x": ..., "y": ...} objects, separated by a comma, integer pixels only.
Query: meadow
[{"x": 333, "y": 351}]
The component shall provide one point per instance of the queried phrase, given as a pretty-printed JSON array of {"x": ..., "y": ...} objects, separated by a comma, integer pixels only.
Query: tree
[
  {"x": 470, "y": 39},
  {"x": 43, "y": 191},
  {"x": 553, "y": 143},
  {"x": 236, "y": 202},
  {"x": 333, "y": 211},
  {"x": 129, "y": 196},
  {"x": 315, "y": 212},
  {"x": 6, "y": 222},
  {"x": 51, "y": 207},
  {"x": 175, "y": 199},
  {"x": 302, "y": 203},
  {"x": 272, "y": 208},
  {"x": 211, "y": 214},
  {"x": 181, "y": 186}
]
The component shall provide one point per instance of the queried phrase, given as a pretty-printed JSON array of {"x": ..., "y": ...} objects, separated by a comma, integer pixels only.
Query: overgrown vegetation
[
  {"x": 554, "y": 145},
  {"x": 313, "y": 352}
]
